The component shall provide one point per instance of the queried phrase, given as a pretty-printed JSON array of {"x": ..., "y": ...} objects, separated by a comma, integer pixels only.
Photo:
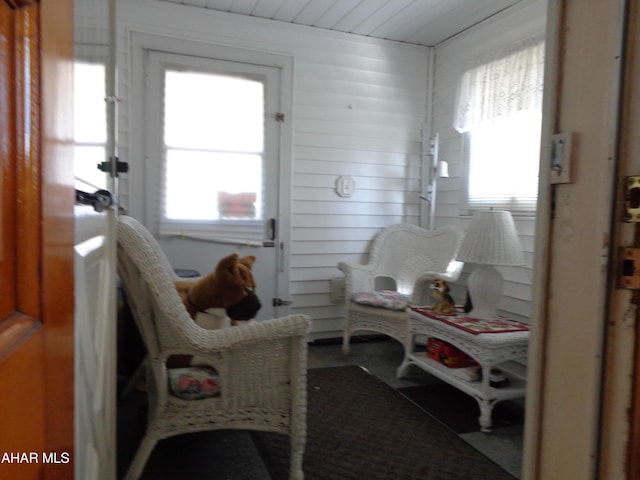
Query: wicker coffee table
[{"x": 489, "y": 349}]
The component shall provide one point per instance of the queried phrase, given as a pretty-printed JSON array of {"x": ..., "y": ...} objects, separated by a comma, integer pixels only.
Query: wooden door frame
[
  {"x": 575, "y": 265},
  {"x": 618, "y": 447},
  {"x": 630, "y": 153}
]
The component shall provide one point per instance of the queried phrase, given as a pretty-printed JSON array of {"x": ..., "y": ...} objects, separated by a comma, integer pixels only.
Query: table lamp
[{"x": 490, "y": 240}]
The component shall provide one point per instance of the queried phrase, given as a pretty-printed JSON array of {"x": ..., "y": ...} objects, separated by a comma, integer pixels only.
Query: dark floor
[
  {"x": 232, "y": 455},
  {"x": 382, "y": 358}
]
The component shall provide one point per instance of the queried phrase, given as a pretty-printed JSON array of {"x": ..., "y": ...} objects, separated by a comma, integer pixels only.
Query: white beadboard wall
[
  {"x": 359, "y": 106},
  {"x": 502, "y": 30}
]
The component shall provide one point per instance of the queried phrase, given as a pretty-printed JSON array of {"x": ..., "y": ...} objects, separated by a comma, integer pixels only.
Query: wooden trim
[
  {"x": 21, "y": 165},
  {"x": 633, "y": 453},
  {"x": 22, "y": 416},
  {"x": 58, "y": 199},
  {"x": 570, "y": 379},
  {"x": 7, "y": 166},
  {"x": 16, "y": 4},
  {"x": 28, "y": 161},
  {"x": 631, "y": 124},
  {"x": 14, "y": 332},
  {"x": 534, "y": 401}
]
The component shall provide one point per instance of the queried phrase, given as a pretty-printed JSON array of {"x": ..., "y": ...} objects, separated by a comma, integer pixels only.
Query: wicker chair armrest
[
  {"x": 223, "y": 339},
  {"x": 358, "y": 278}
]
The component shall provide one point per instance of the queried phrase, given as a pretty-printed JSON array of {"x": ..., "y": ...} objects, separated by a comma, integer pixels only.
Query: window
[
  {"x": 90, "y": 124},
  {"x": 222, "y": 142},
  {"x": 499, "y": 108},
  {"x": 212, "y": 128}
]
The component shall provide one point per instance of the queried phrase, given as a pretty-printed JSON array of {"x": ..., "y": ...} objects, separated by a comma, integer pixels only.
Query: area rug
[
  {"x": 358, "y": 428},
  {"x": 460, "y": 411}
]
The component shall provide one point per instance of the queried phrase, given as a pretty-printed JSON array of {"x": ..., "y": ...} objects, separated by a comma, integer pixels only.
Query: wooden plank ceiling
[{"x": 421, "y": 22}]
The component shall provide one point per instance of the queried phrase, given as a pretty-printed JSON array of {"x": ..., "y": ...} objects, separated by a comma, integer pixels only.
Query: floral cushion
[
  {"x": 389, "y": 299},
  {"x": 194, "y": 383}
]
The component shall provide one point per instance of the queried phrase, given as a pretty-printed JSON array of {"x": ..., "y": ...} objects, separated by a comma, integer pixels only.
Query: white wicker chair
[
  {"x": 262, "y": 366},
  {"x": 408, "y": 256}
]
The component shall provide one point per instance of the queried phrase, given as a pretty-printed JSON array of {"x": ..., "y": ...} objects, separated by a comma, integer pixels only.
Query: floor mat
[{"x": 359, "y": 427}]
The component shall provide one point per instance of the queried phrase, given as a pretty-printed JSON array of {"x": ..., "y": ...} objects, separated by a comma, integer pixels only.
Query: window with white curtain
[{"x": 499, "y": 111}]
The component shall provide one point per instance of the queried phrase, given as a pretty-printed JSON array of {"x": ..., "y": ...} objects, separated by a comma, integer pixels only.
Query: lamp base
[{"x": 485, "y": 289}]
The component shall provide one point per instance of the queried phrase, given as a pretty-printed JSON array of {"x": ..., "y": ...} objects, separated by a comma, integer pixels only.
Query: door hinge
[
  {"x": 279, "y": 117},
  {"x": 121, "y": 167}
]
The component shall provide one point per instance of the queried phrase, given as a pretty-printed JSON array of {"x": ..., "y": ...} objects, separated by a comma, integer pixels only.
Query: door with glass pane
[{"x": 212, "y": 163}]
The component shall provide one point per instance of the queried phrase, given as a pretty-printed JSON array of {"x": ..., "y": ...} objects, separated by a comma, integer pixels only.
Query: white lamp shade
[{"x": 491, "y": 240}]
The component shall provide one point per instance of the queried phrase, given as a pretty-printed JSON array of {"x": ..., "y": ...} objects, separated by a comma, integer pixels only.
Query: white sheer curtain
[{"x": 501, "y": 84}]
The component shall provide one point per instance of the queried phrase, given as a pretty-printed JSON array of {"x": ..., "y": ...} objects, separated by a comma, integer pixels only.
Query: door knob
[{"x": 278, "y": 302}]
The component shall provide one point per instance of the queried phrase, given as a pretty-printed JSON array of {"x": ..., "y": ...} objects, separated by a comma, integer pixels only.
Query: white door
[
  {"x": 95, "y": 344},
  {"x": 212, "y": 164},
  {"x": 95, "y": 253}
]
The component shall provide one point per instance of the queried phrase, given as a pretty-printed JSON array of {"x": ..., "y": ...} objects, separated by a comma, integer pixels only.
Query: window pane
[
  {"x": 213, "y": 112},
  {"x": 204, "y": 185},
  {"x": 86, "y": 160},
  {"x": 90, "y": 115},
  {"x": 503, "y": 162}
]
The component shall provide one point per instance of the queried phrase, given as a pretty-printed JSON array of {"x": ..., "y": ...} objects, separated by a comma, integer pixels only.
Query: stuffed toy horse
[
  {"x": 231, "y": 286},
  {"x": 224, "y": 297}
]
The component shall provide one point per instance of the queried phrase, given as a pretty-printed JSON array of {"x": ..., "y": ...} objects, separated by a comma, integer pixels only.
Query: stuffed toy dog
[
  {"x": 444, "y": 302},
  {"x": 230, "y": 286}
]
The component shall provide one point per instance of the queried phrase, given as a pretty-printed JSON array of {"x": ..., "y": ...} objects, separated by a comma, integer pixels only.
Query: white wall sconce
[{"x": 443, "y": 169}]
